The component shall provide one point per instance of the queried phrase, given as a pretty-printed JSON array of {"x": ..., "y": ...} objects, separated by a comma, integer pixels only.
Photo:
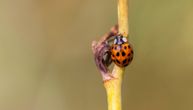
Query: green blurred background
[{"x": 46, "y": 61}]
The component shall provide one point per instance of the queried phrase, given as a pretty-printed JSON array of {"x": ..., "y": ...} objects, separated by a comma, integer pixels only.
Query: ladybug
[{"x": 121, "y": 51}]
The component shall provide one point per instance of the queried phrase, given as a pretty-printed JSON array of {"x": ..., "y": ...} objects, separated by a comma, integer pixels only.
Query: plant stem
[
  {"x": 123, "y": 17},
  {"x": 113, "y": 89},
  {"x": 113, "y": 86}
]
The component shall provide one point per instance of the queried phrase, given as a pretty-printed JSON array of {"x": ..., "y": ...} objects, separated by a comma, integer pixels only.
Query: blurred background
[{"x": 46, "y": 61}]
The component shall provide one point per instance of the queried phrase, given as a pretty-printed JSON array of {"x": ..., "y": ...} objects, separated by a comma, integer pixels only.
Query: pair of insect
[{"x": 121, "y": 51}]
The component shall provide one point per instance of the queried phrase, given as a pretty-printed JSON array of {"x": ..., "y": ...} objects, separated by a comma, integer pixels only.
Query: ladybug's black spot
[
  {"x": 129, "y": 55},
  {"x": 125, "y": 47},
  {"x": 129, "y": 46},
  {"x": 117, "y": 54},
  {"x": 113, "y": 55},
  {"x": 115, "y": 48},
  {"x": 111, "y": 47},
  {"x": 123, "y": 54},
  {"x": 124, "y": 61},
  {"x": 118, "y": 61},
  {"x": 132, "y": 51}
]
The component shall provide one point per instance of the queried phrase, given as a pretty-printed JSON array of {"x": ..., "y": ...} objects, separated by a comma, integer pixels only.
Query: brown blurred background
[{"x": 46, "y": 61}]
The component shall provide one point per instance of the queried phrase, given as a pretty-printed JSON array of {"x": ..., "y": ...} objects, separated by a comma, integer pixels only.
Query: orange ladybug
[{"x": 121, "y": 52}]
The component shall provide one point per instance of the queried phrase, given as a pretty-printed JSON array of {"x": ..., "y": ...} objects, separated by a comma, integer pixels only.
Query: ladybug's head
[{"x": 120, "y": 40}]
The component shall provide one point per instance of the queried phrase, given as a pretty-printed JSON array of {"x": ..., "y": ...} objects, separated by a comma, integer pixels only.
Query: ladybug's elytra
[{"x": 121, "y": 52}]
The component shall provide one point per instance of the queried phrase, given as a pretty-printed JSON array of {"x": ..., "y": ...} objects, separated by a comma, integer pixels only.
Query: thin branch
[
  {"x": 112, "y": 80},
  {"x": 123, "y": 17},
  {"x": 113, "y": 87}
]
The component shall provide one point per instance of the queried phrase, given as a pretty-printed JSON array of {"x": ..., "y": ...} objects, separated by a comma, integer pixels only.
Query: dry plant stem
[
  {"x": 100, "y": 49},
  {"x": 113, "y": 86}
]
